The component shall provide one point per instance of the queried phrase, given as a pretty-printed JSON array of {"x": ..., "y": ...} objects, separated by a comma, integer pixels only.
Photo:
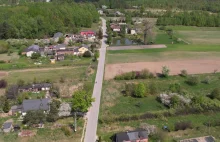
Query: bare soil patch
[
  {"x": 136, "y": 47},
  {"x": 192, "y": 67}
]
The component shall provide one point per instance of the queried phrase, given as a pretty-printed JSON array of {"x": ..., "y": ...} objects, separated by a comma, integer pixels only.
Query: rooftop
[
  {"x": 132, "y": 135},
  {"x": 36, "y": 104}
]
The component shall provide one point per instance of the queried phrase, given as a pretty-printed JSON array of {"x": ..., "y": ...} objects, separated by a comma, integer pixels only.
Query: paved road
[{"x": 92, "y": 116}]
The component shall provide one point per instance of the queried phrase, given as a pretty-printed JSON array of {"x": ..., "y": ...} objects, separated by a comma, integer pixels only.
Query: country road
[{"x": 92, "y": 116}]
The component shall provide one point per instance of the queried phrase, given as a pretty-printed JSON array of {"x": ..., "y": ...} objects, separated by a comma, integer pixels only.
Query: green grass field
[
  {"x": 72, "y": 74},
  {"x": 197, "y": 35},
  {"x": 114, "y": 103}
]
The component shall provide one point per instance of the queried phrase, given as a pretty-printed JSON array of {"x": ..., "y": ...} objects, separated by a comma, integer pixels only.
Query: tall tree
[
  {"x": 148, "y": 30},
  {"x": 81, "y": 101}
]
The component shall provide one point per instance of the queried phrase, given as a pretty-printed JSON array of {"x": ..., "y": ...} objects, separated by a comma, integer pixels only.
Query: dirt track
[
  {"x": 192, "y": 67},
  {"x": 136, "y": 47}
]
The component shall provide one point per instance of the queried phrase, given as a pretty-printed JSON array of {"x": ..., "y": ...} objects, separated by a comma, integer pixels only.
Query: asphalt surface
[{"x": 92, "y": 115}]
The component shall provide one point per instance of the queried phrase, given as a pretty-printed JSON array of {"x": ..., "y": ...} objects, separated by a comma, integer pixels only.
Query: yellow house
[
  {"x": 52, "y": 61},
  {"x": 82, "y": 50}
]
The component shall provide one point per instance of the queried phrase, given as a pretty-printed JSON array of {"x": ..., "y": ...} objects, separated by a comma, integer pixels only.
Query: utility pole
[{"x": 75, "y": 124}]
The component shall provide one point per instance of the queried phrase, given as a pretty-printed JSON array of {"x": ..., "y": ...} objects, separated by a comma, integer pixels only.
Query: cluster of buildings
[
  {"x": 116, "y": 27},
  {"x": 60, "y": 50}
]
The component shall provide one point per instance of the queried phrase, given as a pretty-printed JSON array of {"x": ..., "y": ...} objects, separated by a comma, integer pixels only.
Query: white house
[
  {"x": 100, "y": 12},
  {"x": 30, "y": 50}
]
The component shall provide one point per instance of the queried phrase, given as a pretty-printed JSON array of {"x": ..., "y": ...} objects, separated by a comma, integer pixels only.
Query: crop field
[{"x": 198, "y": 35}]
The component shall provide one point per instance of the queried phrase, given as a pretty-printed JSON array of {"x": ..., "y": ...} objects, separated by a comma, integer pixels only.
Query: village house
[
  {"x": 35, "y": 104},
  {"x": 30, "y": 50},
  {"x": 59, "y": 47},
  {"x": 35, "y": 87},
  {"x": 100, "y": 12},
  {"x": 104, "y": 7},
  {"x": 87, "y": 33},
  {"x": 115, "y": 27},
  {"x": 82, "y": 49},
  {"x": 132, "y": 136},
  {"x": 57, "y": 36},
  {"x": 7, "y": 127}
]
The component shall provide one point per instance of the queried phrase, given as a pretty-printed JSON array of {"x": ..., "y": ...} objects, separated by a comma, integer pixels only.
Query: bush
[
  {"x": 183, "y": 125},
  {"x": 207, "y": 80},
  {"x": 3, "y": 83},
  {"x": 174, "y": 88},
  {"x": 144, "y": 74},
  {"x": 174, "y": 101},
  {"x": 2, "y": 61},
  {"x": 162, "y": 28},
  {"x": 193, "y": 80},
  {"x": 153, "y": 89},
  {"x": 165, "y": 71},
  {"x": 215, "y": 94},
  {"x": 35, "y": 56},
  {"x": 184, "y": 73},
  {"x": 129, "y": 89},
  {"x": 140, "y": 90},
  {"x": 66, "y": 130},
  {"x": 87, "y": 54}
]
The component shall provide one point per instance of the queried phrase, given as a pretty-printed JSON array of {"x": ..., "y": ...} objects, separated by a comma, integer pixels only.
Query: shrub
[
  {"x": 3, "y": 83},
  {"x": 153, "y": 89},
  {"x": 215, "y": 94},
  {"x": 35, "y": 56},
  {"x": 2, "y": 61},
  {"x": 165, "y": 71},
  {"x": 66, "y": 130},
  {"x": 174, "y": 101},
  {"x": 129, "y": 89},
  {"x": 87, "y": 54},
  {"x": 184, "y": 73},
  {"x": 193, "y": 80},
  {"x": 162, "y": 28},
  {"x": 207, "y": 80},
  {"x": 183, "y": 125},
  {"x": 174, "y": 88},
  {"x": 140, "y": 90},
  {"x": 144, "y": 74}
]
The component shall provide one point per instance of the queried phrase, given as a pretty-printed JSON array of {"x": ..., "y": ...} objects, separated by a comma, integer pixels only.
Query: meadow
[{"x": 115, "y": 104}]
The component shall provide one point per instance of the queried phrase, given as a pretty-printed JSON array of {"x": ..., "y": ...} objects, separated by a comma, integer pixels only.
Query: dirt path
[
  {"x": 136, "y": 47},
  {"x": 192, "y": 67}
]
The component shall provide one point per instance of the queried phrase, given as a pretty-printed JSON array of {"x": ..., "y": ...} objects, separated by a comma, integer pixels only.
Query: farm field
[
  {"x": 198, "y": 35},
  {"x": 115, "y": 105},
  {"x": 199, "y": 57}
]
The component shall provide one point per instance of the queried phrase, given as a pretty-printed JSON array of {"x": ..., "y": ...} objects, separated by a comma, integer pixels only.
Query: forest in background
[{"x": 38, "y": 20}]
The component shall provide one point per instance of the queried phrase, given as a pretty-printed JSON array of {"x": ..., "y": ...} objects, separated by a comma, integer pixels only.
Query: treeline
[
  {"x": 44, "y": 19},
  {"x": 200, "y": 19},
  {"x": 206, "y": 5}
]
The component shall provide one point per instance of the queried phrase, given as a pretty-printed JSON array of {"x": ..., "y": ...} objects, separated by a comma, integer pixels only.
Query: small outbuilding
[{"x": 7, "y": 127}]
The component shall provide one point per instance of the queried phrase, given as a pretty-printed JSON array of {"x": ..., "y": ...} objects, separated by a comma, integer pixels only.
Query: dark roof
[
  {"x": 76, "y": 50},
  {"x": 7, "y": 125},
  {"x": 131, "y": 135},
  {"x": 34, "y": 48},
  {"x": 84, "y": 45},
  {"x": 57, "y": 35},
  {"x": 36, "y": 104}
]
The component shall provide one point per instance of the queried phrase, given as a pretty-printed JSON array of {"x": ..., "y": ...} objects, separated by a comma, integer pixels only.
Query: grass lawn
[
  {"x": 94, "y": 27},
  {"x": 70, "y": 74},
  {"x": 24, "y": 62},
  {"x": 49, "y": 134},
  {"x": 5, "y": 57}
]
